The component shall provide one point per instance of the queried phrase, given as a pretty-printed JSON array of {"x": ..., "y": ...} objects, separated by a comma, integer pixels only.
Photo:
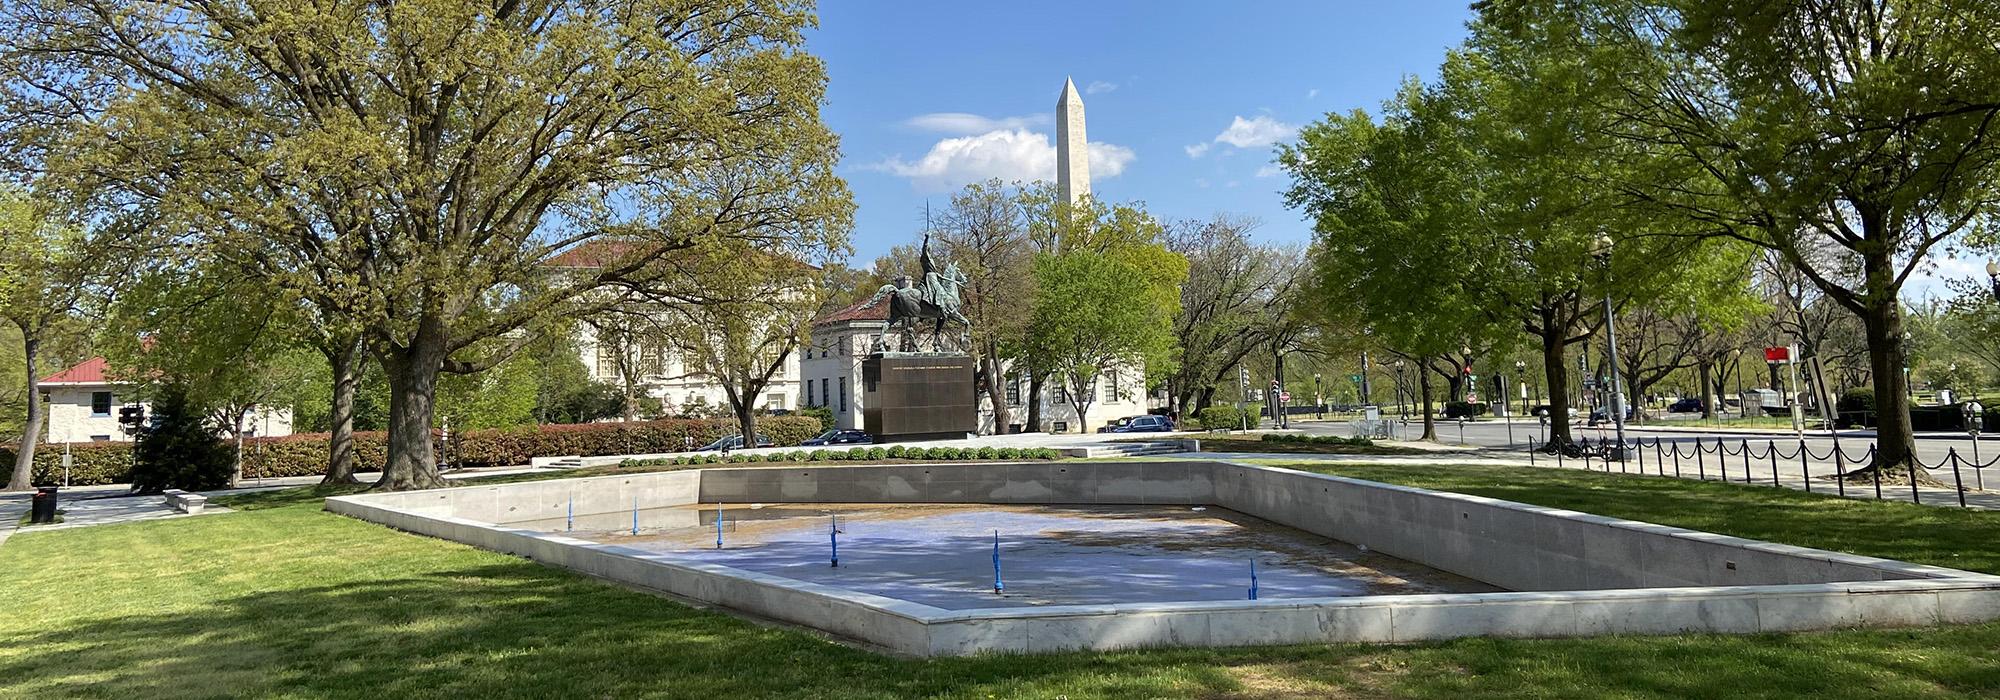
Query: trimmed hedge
[
  {"x": 1221, "y": 418},
  {"x": 1463, "y": 409},
  {"x": 1357, "y": 441},
  {"x": 859, "y": 454},
  {"x": 305, "y": 454}
]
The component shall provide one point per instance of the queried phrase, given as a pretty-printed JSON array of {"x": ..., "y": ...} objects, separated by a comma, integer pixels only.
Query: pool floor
[{"x": 942, "y": 554}]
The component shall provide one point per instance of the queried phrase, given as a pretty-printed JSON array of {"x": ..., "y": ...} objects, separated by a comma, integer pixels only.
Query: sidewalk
[{"x": 86, "y": 506}]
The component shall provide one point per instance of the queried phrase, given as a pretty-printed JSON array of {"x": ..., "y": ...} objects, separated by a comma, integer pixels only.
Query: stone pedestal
[{"x": 918, "y": 396}]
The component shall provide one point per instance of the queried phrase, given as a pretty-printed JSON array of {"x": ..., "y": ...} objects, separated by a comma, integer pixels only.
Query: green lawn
[{"x": 286, "y": 600}]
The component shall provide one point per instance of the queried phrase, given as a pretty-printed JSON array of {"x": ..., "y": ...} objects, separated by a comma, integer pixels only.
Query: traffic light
[{"x": 131, "y": 417}]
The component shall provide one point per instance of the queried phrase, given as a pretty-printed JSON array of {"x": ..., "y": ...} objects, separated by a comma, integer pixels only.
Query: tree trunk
[
  {"x": 1204, "y": 399},
  {"x": 1702, "y": 373},
  {"x": 413, "y": 373},
  {"x": 1895, "y": 442},
  {"x": 1078, "y": 401},
  {"x": 996, "y": 392},
  {"x": 1555, "y": 364},
  {"x": 1034, "y": 399},
  {"x": 1430, "y": 415},
  {"x": 31, "y": 429},
  {"x": 340, "y": 458}
]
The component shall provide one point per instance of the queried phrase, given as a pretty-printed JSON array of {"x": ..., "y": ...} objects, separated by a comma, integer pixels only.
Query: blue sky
[{"x": 926, "y": 95}]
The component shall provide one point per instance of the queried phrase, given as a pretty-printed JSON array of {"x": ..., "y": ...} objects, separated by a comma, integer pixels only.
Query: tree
[
  {"x": 754, "y": 311},
  {"x": 180, "y": 448},
  {"x": 1097, "y": 311},
  {"x": 1971, "y": 323},
  {"x": 1230, "y": 294},
  {"x": 1856, "y": 128},
  {"x": 47, "y": 270},
  {"x": 984, "y": 232},
  {"x": 423, "y": 170}
]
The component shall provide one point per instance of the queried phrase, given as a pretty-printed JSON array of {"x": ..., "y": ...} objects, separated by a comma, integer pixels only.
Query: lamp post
[
  {"x": 1993, "y": 276},
  {"x": 1400, "y": 390},
  {"x": 1466, "y": 373},
  {"x": 1521, "y": 380},
  {"x": 1319, "y": 398},
  {"x": 1602, "y": 251}
]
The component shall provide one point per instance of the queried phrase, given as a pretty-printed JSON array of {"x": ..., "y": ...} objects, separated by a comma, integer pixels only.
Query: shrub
[
  {"x": 988, "y": 453},
  {"x": 180, "y": 450},
  {"x": 1463, "y": 409},
  {"x": 1046, "y": 453},
  {"x": 819, "y": 413},
  {"x": 1220, "y": 418},
  {"x": 877, "y": 453},
  {"x": 1007, "y": 453},
  {"x": 796, "y": 455},
  {"x": 917, "y": 453},
  {"x": 895, "y": 451},
  {"x": 816, "y": 456}
]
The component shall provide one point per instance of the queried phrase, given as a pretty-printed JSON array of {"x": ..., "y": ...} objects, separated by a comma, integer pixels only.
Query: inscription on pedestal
[{"x": 918, "y": 396}]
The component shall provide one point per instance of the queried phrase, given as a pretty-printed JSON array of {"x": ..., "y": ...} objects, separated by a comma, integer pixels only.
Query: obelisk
[{"x": 1072, "y": 151}]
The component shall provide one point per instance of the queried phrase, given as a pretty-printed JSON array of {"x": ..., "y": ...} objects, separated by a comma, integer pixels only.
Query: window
[
  {"x": 1061, "y": 395},
  {"x": 825, "y": 397},
  {"x": 809, "y": 393},
  {"x": 1110, "y": 382},
  {"x": 1013, "y": 390},
  {"x": 774, "y": 402},
  {"x": 100, "y": 438},
  {"x": 100, "y": 404},
  {"x": 607, "y": 360},
  {"x": 843, "y": 394}
]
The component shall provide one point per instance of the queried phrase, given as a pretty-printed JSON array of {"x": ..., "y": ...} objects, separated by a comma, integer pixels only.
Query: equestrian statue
[{"x": 935, "y": 302}]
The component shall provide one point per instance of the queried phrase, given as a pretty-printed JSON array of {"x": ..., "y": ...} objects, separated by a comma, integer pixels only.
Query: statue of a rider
[{"x": 936, "y": 300}]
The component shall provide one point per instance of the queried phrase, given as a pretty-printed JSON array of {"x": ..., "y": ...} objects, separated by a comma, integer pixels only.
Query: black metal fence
[{"x": 1716, "y": 459}]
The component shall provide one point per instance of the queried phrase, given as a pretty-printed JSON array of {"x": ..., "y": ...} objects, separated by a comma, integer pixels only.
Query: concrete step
[{"x": 1134, "y": 449}]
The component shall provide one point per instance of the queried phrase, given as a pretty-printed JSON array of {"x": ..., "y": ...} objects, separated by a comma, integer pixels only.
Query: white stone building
[
  {"x": 663, "y": 374},
  {"x": 83, "y": 403}
]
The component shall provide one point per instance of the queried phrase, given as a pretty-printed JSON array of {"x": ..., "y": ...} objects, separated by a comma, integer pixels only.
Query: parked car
[
  {"x": 1687, "y": 405},
  {"x": 1140, "y": 424},
  {"x": 1543, "y": 411},
  {"x": 840, "y": 436},
  {"x": 1600, "y": 415},
  {"x": 733, "y": 442}
]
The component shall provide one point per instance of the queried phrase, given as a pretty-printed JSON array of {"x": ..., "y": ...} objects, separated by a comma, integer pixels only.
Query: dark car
[
  {"x": 1600, "y": 414},
  {"x": 1543, "y": 411},
  {"x": 1687, "y": 405},
  {"x": 840, "y": 436},
  {"x": 1140, "y": 424},
  {"x": 733, "y": 442}
]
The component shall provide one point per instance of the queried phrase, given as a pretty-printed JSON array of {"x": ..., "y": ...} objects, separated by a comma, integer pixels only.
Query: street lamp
[
  {"x": 1465, "y": 372},
  {"x": 1400, "y": 389},
  {"x": 1602, "y": 251},
  {"x": 1521, "y": 380},
  {"x": 1993, "y": 275}
]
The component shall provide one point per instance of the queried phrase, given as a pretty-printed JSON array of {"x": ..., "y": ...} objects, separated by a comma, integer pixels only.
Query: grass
[
  {"x": 285, "y": 600},
  {"x": 1236, "y": 444},
  {"x": 23, "y": 521}
]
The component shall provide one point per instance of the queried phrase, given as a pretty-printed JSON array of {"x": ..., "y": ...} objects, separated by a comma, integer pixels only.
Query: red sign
[{"x": 1777, "y": 354}]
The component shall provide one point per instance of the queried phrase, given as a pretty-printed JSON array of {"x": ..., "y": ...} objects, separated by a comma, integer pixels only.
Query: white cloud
[
  {"x": 1312, "y": 93},
  {"x": 1201, "y": 182},
  {"x": 966, "y": 124},
  {"x": 1269, "y": 171},
  {"x": 1097, "y": 86},
  {"x": 1255, "y": 132},
  {"x": 1008, "y": 154}
]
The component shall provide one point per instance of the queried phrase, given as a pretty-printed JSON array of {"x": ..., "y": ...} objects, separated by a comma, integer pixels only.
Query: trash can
[{"x": 43, "y": 510}]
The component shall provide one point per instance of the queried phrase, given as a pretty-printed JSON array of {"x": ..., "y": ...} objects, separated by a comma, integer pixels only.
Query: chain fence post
[
  {"x": 1659, "y": 465},
  {"x": 1957, "y": 481},
  {"x": 1677, "y": 460},
  {"x": 1875, "y": 465},
  {"x": 1914, "y": 497},
  {"x": 1700, "y": 465},
  {"x": 1771, "y": 450}
]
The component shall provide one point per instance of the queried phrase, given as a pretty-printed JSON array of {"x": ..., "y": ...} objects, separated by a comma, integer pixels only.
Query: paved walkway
[{"x": 85, "y": 506}]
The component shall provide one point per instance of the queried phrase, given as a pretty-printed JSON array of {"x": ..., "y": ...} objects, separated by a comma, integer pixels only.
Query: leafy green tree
[
  {"x": 753, "y": 312},
  {"x": 985, "y": 231},
  {"x": 1229, "y": 299},
  {"x": 47, "y": 271},
  {"x": 425, "y": 171},
  {"x": 1099, "y": 311},
  {"x": 1853, "y": 138}
]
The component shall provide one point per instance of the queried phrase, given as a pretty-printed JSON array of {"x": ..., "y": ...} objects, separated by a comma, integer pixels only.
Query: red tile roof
[
  {"x": 864, "y": 310},
  {"x": 89, "y": 371}
]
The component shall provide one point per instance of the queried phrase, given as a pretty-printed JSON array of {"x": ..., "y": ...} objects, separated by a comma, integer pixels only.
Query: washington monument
[{"x": 1072, "y": 150}]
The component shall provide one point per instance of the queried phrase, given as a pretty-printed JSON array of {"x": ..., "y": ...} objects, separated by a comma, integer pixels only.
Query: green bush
[
  {"x": 896, "y": 451},
  {"x": 877, "y": 453},
  {"x": 1220, "y": 418},
  {"x": 816, "y": 455},
  {"x": 988, "y": 453},
  {"x": 181, "y": 450},
  {"x": 819, "y": 413},
  {"x": 917, "y": 453},
  {"x": 1007, "y": 453}
]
